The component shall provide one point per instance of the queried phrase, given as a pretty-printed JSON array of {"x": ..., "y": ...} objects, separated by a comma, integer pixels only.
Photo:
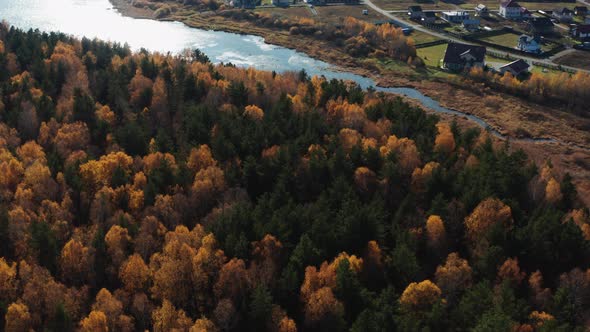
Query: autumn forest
[{"x": 145, "y": 191}]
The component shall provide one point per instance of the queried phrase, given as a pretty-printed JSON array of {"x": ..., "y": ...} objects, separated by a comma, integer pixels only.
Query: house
[
  {"x": 516, "y": 68},
  {"x": 510, "y": 9},
  {"x": 539, "y": 25},
  {"x": 563, "y": 15},
  {"x": 281, "y": 3},
  {"x": 455, "y": 16},
  {"x": 463, "y": 56},
  {"x": 528, "y": 44},
  {"x": 581, "y": 10},
  {"x": 415, "y": 12},
  {"x": 525, "y": 14},
  {"x": 581, "y": 31},
  {"x": 482, "y": 10},
  {"x": 471, "y": 24},
  {"x": 428, "y": 17}
]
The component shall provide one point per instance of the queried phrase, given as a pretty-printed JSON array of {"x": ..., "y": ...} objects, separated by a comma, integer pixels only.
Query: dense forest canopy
[{"x": 148, "y": 191}]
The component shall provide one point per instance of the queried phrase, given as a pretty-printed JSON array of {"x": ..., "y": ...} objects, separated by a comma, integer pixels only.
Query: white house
[
  {"x": 528, "y": 44},
  {"x": 510, "y": 9}
]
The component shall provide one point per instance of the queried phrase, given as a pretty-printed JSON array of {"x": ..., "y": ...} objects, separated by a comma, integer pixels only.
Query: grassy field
[
  {"x": 422, "y": 37},
  {"x": 506, "y": 39},
  {"x": 404, "y": 4},
  {"x": 432, "y": 55}
]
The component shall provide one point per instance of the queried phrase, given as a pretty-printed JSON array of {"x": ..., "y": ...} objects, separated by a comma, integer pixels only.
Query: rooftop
[
  {"x": 517, "y": 66},
  {"x": 510, "y": 4},
  {"x": 456, "y": 51}
]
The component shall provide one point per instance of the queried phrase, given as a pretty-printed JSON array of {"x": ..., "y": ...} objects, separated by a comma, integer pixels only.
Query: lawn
[
  {"x": 432, "y": 55},
  {"x": 420, "y": 37},
  {"x": 507, "y": 39}
]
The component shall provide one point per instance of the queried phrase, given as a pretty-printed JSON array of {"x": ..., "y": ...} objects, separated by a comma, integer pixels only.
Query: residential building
[
  {"x": 516, "y": 68},
  {"x": 482, "y": 10},
  {"x": 528, "y": 44},
  {"x": 581, "y": 31},
  {"x": 463, "y": 56},
  {"x": 428, "y": 17},
  {"x": 510, "y": 9},
  {"x": 563, "y": 15},
  {"x": 581, "y": 10},
  {"x": 471, "y": 24},
  {"x": 539, "y": 25},
  {"x": 525, "y": 14},
  {"x": 415, "y": 12},
  {"x": 456, "y": 17}
]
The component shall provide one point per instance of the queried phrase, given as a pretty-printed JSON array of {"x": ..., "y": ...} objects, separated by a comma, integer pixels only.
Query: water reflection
[{"x": 97, "y": 18}]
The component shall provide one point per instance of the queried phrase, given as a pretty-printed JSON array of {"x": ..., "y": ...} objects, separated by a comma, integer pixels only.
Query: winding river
[{"x": 98, "y": 18}]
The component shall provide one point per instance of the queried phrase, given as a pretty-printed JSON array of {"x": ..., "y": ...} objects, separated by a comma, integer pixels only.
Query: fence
[{"x": 432, "y": 43}]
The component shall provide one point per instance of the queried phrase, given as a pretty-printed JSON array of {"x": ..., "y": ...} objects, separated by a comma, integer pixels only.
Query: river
[{"x": 98, "y": 18}]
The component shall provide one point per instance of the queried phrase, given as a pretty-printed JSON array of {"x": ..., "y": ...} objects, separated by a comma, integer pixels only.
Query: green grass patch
[
  {"x": 506, "y": 39},
  {"x": 420, "y": 37},
  {"x": 432, "y": 55}
]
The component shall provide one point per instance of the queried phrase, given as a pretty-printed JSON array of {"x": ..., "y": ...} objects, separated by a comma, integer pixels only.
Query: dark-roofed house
[
  {"x": 540, "y": 25},
  {"x": 471, "y": 24},
  {"x": 415, "y": 12},
  {"x": 428, "y": 17},
  {"x": 581, "y": 10},
  {"x": 563, "y": 15},
  {"x": 510, "y": 9},
  {"x": 462, "y": 56},
  {"x": 482, "y": 10},
  {"x": 581, "y": 31},
  {"x": 455, "y": 16},
  {"x": 516, "y": 68}
]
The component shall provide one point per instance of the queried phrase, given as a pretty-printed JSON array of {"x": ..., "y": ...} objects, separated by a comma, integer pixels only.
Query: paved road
[{"x": 421, "y": 28}]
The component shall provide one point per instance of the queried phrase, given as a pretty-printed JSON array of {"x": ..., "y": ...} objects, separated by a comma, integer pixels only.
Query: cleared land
[{"x": 578, "y": 59}]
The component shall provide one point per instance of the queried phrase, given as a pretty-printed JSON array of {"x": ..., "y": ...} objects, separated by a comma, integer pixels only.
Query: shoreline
[
  {"x": 431, "y": 87},
  {"x": 513, "y": 117}
]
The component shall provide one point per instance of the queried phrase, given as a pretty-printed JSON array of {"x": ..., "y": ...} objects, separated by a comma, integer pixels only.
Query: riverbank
[{"x": 509, "y": 115}]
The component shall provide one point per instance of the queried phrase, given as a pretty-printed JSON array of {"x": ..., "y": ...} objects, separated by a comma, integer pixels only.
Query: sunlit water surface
[{"x": 98, "y": 18}]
